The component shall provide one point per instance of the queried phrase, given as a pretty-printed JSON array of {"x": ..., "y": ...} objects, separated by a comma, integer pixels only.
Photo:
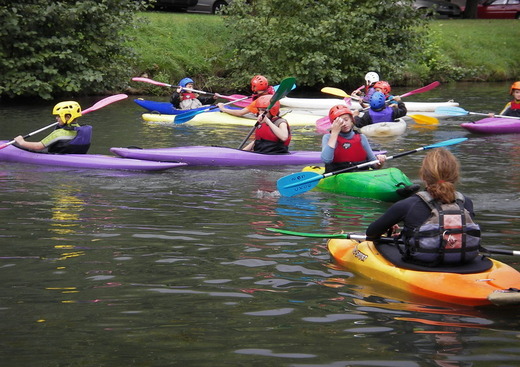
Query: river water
[{"x": 107, "y": 268}]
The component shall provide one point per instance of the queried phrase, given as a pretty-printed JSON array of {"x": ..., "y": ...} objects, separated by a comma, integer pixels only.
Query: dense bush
[
  {"x": 322, "y": 42},
  {"x": 50, "y": 48}
]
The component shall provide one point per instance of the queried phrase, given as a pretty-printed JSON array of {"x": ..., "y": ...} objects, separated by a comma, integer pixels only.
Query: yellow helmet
[{"x": 67, "y": 108}]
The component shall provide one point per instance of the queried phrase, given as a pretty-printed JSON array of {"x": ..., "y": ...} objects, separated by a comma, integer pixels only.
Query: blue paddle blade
[
  {"x": 451, "y": 111},
  {"x": 446, "y": 143},
  {"x": 187, "y": 116},
  {"x": 278, "y": 86},
  {"x": 298, "y": 183}
]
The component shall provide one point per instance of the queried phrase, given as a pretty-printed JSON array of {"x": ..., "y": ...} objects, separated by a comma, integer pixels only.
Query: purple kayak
[
  {"x": 80, "y": 161},
  {"x": 493, "y": 125},
  {"x": 219, "y": 156}
]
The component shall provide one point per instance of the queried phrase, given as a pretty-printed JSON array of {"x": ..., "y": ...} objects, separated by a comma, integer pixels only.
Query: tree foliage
[
  {"x": 51, "y": 48},
  {"x": 322, "y": 41}
]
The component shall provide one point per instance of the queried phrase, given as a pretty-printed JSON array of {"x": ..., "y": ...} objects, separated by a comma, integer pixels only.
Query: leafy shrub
[
  {"x": 321, "y": 42},
  {"x": 64, "y": 47}
]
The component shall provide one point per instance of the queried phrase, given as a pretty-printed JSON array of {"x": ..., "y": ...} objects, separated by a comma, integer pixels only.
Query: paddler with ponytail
[
  {"x": 343, "y": 147},
  {"x": 438, "y": 227},
  {"x": 272, "y": 134},
  {"x": 68, "y": 137}
]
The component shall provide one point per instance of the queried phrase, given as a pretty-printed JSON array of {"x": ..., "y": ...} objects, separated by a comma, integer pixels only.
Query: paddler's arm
[
  {"x": 33, "y": 145},
  {"x": 281, "y": 131},
  {"x": 394, "y": 215}
]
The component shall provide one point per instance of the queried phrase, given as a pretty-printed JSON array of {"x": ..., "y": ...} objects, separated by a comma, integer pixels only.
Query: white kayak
[
  {"x": 218, "y": 118},
  {"x": 378, "y": 129},
  {"x": 327, "y": 103}
]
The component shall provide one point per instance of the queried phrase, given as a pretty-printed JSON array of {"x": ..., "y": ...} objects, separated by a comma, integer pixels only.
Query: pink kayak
[{"x": 493, "y": 125}]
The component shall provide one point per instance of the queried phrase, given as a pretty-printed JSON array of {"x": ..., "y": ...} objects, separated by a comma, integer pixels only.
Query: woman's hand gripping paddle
[
  {"x": 285, "y": 87},
  {"x": 300, "y": 182},
  {"x": 100, "y": 104}
]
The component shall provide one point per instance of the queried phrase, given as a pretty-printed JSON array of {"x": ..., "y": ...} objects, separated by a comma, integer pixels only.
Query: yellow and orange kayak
[{"x": 486, "y": 283}]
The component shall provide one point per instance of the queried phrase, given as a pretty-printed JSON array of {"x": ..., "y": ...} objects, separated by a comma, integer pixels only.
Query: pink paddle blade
[
  {"x": 422, "y": 90},
  {"x": 104, "y": 102}
]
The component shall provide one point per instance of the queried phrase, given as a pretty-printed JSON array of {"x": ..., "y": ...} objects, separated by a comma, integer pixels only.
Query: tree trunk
[{"x": 470, "y": 12}]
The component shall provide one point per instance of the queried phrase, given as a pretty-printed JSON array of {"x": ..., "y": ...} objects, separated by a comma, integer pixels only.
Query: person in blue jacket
[
  {"x": 379, "y": 111},
  {"x": 68, "y": 137}
]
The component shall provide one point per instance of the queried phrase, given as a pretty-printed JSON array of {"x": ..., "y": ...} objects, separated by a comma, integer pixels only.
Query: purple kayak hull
[
  {"x": 80, "y": 161},
  {"x": 493, "y": 125},
  {"x": 219, "y": 156}
]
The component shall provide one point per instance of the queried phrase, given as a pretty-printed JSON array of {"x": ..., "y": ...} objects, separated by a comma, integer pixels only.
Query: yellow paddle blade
[
  {"x": 425, "y": 120},
  {"x": 335, "y": 91}
]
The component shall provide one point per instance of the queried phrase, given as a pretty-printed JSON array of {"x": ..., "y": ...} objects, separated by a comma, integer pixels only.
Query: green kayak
[{"x": 387, "y": 184}]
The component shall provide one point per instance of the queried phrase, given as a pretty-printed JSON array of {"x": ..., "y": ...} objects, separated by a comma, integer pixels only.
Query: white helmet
[{"x": 371, "y": 77}]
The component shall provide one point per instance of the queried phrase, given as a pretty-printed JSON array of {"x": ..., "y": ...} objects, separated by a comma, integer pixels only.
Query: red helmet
[
  {"x": 264, "y": 101},
  {"x": 385, "y": 87},
  {"x": 516, "y": 85},
  {"x": 259, "y": 83},
  {"x": 337, "y": 111}
]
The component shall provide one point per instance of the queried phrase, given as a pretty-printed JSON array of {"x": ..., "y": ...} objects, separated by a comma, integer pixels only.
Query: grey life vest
[{"x": 448, "y": 237}]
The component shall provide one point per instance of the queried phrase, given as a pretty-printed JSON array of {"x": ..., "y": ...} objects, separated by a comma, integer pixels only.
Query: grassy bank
[{"x": 173, "y": 45}]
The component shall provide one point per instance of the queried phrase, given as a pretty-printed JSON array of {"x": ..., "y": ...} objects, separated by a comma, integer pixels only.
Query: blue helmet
[
  {"x": 377, "y": 101},
  {"x": 185, "y": 81}
]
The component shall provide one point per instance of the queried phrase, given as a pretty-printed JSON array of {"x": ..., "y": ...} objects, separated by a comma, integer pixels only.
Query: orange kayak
[{"x": 487, "y": 282}]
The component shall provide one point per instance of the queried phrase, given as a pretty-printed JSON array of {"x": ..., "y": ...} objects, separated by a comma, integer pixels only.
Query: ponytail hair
[{"x": 440, "y": 172}]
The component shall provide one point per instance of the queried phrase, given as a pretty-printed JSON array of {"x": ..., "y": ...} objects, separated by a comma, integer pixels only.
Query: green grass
[
  {"x": 171, "y": 46},
  {"x": 175, "y": 45},
  {"x": 491, "y": 46}
]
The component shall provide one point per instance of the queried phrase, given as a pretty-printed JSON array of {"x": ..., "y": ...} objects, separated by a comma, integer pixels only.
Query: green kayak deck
[{"x": 387, "y": 184}]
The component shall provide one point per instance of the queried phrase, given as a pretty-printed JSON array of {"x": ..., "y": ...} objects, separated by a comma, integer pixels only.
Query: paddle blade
[
  {"x": 285, "y": 87},
  {"x": 278, "y": 86},
  {"x": 104, "y": 102},
  {"x": 422, "y": 90},
  {"x": 323, "y": 125},
  {"x": 446, "y": 143},
  {"x": 297, "y": 183},
  {"x": 186, "y": 116},
  {"x": 424, "y": 120},
  {"x": 451, "y": 111},
  {"x": 150, "y": 81},
  {"x": 335, "y": 91}
]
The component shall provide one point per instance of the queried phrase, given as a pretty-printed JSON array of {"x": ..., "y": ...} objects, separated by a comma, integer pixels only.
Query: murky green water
[{"x": 104, "y": 268}]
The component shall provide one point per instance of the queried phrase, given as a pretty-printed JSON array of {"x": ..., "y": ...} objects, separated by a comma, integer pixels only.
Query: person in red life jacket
[
  {"x": 183, "y": 98},
  {"x": 512, "y": 108},
  {"x": 453, "y": 240},
  {"x": 379, "y": 111},
  {"x": 344, "y": 147},
  {"x": 362, "y": 95},
  {"x": 67, "y": 138},
  {"x": 272, "y": 134},
  {"x": 260, "y": 87}
]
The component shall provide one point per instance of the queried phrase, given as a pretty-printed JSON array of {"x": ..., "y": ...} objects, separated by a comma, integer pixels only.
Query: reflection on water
[{"x": 176, "y": 268}]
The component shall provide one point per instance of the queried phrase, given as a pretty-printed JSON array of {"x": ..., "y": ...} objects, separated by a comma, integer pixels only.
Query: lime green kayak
[{"x": 388, "y": 184}]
